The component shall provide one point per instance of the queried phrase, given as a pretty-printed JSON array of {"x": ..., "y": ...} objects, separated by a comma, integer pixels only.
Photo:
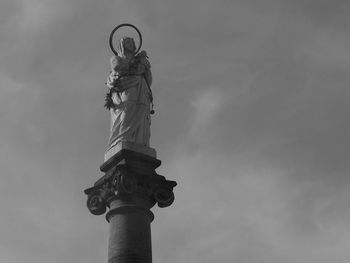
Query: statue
[
  {"x": 129, "y": 98},
  {"x": 130, "y": 186}
]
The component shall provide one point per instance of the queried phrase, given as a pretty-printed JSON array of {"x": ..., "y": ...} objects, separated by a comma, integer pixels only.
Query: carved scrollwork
[
  {"x": 128, "y": 183},
  {"x": 131, "y": 178},
  {"x": 96, "y": 202},
  {"x": 164, "y": 197}
]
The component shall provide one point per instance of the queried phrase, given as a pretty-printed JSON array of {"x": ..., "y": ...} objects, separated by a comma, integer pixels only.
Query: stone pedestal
[
  {"x": 134, "y": 147},
  {"x": 129, "y": 189}
]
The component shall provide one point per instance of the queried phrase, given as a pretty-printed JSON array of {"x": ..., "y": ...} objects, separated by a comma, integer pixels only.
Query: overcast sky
[{"x": 252, "y": 121}]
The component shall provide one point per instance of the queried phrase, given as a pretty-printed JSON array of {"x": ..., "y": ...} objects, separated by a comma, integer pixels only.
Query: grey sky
[{"x": 252, "y": 120}]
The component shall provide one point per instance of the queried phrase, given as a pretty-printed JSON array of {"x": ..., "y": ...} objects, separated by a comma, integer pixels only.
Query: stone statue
[{"x": 129, "y": 98}]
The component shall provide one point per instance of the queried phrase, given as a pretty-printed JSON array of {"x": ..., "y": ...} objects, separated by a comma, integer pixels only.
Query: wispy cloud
[{"x": 206, "y": 105}]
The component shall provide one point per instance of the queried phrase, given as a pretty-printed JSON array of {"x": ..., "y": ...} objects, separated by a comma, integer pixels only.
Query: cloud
[
  {"x": 38, "y": 14},
  {"x": 251, "y": 120},
  {"x": 206, "y": 105},
  {"x": 243, "y": 208}
]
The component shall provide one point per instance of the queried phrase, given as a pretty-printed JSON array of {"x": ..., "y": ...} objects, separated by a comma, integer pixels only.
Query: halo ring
[{"x": 115, "y": 29}]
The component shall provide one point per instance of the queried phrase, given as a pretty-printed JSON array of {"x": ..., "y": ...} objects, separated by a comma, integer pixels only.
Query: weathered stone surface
[
  {"x": 124, "y": 145},
  {"x": 130, "y": 234},
  {"x": 130, "y": 188},
  {"x": 130, "y": 173}
]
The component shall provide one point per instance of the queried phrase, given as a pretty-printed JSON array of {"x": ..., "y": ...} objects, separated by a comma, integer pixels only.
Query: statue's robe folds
[{"x": 131, "y": 96}]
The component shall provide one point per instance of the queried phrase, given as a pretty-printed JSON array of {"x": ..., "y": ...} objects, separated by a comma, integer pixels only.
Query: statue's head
[{"x": 126, "y": 45}]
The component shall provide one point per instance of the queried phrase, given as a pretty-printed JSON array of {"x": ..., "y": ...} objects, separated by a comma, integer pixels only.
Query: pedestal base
[{"x": 123, "y": 145}]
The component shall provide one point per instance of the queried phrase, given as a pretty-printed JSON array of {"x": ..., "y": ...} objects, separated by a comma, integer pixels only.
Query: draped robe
[{"x": 129, "y": 84}]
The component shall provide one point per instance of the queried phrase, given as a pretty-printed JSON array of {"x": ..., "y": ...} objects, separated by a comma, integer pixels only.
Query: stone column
[{"x": 129, "y": 189}]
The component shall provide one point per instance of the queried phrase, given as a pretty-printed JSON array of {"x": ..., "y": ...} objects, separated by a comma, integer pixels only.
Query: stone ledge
[
  {"x": 132, "y": 159},
  {"x": 124, "y": 145}
]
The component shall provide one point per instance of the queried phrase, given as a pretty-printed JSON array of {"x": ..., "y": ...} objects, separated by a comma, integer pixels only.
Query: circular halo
[{"x": 115, "y": 29}]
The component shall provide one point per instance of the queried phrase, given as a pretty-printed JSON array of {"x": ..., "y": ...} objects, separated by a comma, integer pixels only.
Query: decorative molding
[
  {"x": 130, "y": 176},
  {"x": 128, "y": 209}
]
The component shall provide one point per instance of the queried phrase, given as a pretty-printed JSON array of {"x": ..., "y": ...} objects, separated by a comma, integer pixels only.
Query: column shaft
[{"x": 130, "y": 233}]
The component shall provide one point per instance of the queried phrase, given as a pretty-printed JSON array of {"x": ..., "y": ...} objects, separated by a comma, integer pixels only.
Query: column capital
[{"x": 130, "y": 176}]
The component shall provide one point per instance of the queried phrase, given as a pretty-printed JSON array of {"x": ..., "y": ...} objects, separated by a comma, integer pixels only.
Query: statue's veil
[{"x": 120, "y": 48}]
